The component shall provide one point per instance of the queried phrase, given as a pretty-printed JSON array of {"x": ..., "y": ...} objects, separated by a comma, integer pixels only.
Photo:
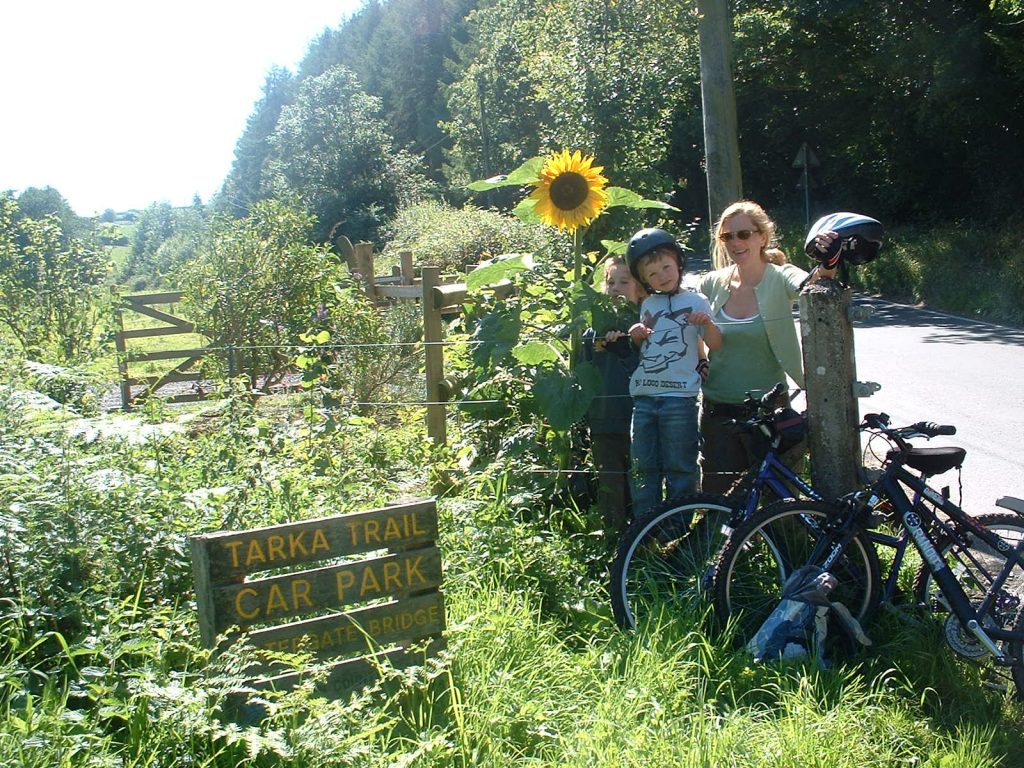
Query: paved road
[{"x": 936, "y": 367}]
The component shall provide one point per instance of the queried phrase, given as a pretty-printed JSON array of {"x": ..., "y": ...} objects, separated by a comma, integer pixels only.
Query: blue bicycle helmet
[
  {"x": 860, "y": 238},
  {"x": 645, "y": 241}
]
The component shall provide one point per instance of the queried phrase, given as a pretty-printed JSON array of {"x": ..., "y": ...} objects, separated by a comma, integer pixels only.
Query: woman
[{"x": 751, "y": 292}]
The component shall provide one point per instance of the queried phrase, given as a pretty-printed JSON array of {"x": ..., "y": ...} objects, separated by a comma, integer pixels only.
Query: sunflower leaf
[
  {"x": 535, "y": 352},
  {"x": 564, "y": 396},
  {"x": 499, "y": 271},
  {"x": 526, "y": 211},
  {"x": 615, "y": 246},
  {"x": 527, "y": 173},
  {"x": 625, "y": 198},
  {"x": 497, "y": 334}
]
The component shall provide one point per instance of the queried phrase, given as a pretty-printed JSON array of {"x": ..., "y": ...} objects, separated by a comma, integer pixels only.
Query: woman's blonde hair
[{"x": 771, "y": 253}]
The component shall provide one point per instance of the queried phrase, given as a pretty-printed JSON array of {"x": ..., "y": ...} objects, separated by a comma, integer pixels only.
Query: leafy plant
[
  {"x": 48, "y": 284},
  {"x": 450, "y": 238},
  {"x": 256, "y": 285},
  {"x": 354, "y": 351}
]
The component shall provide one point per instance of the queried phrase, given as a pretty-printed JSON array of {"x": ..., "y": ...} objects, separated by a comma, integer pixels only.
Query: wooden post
[
  {"x": 344, "y": 247},
  {"x": 364, "y": 265},
  {"x": 829, "y": 368},
  {"x": 408, "y": 271},
  {"x": 434, "y": 364},
  {"x": 721, "y": 145},
  {"x": 204, "y": 592},
  {"x": 122, "y": 354}
]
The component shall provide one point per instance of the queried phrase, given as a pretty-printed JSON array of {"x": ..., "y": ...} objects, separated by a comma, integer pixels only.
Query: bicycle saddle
[
  {"x": 934, "y": 461},
  {"x": 860, "y": 238}
]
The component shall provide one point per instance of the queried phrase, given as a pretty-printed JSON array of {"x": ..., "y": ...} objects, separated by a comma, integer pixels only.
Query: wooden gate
[{"x": 145, "y": 304}]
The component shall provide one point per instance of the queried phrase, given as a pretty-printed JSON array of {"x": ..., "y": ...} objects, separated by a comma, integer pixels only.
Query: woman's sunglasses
[{"x": 742, "y": 234}]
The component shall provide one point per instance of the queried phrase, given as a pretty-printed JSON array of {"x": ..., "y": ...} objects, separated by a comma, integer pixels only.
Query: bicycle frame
[
  {"x": 778, "y": 478},
  {"x": 914, "y": 516},
  {"x": 915, "y": 519}
]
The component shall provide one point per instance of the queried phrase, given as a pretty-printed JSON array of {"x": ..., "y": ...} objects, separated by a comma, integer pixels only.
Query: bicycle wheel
[
  {"x": 663, "y": 560},
  {"x": 1016, "y": 650},
  {"x": 975, "y": 565},
  {"x": 768, "y": 546}
]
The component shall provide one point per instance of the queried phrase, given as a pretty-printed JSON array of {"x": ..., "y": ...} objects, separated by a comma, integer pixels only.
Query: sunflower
[{"x": 570, "y": 191}]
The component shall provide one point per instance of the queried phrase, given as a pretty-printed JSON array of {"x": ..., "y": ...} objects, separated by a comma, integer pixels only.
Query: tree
[
  {"x": 47, "y": 283},
  {"x": 257, "y": 284},
  {"x": 36, "y": 203},
  {"x": 164, "y": 237},
  {"x": 245, "y": 182},
  {"x": 331, "y": 151},
  {"x": 618, "y": 80},
  {"x": 913, "y": 109}
]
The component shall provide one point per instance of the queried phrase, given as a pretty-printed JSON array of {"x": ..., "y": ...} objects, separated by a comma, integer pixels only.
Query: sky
[{"x": 123, "y": 103}]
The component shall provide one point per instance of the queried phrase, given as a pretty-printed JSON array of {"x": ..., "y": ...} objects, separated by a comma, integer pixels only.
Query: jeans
[{"x": 664, "y": 449}]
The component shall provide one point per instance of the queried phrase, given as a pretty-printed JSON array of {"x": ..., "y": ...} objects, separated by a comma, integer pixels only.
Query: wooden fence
[
  {"x": 385, "y": 570},
  {"x": 829, "y": 359},
  {"x": 437, "y": 295}
]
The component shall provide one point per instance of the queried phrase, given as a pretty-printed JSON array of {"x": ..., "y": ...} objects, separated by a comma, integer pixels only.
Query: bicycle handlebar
[
  {"x": 880, "y": 422},
  {"x": 931, "y": 429},
  {"x": 761, "y": 409}
]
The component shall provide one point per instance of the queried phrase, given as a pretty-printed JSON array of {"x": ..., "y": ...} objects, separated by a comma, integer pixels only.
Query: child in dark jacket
[{"x": 611, "y": 412}]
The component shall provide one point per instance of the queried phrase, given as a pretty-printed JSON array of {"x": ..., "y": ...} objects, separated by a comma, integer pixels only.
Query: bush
[
  {"x": 257, "y": 285},
  {"x": 449, "y": 238},
  {"x": 68, "y": 386},
  {"x": 356, "y": 351}
]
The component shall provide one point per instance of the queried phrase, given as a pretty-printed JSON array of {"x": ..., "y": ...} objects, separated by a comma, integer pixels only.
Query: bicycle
[
  {"x": 665, "y": 559},
  {"x": 972, "y": 569}
]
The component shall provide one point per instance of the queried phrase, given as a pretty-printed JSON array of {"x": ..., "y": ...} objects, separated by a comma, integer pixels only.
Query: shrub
[
  {"x": 64, "y": 385},
  {"x": 449, "y": 238},
  {"x": 357, "y": 351},
  {"x": 257, "y": 285}
]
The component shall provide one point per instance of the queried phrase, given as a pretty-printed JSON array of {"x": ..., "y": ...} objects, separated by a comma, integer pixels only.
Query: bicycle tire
[
  {"x": 768, "y": 546},
  {"x": 663, "y": 560},
  {"x": 975, "y": 565},
  {"x": 1016, "y": 650}
]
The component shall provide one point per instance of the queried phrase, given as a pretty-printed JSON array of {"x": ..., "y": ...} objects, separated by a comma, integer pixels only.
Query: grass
[{"x": 536, "y": 672}]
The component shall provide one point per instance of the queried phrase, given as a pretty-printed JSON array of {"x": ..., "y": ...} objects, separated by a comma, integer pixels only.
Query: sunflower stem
[
  {"x": 565, "y": 458},
  {"x": 577, "y": 275}
]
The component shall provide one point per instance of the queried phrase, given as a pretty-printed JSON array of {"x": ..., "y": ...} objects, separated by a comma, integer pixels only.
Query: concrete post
[{"x": 830, "y": 373}]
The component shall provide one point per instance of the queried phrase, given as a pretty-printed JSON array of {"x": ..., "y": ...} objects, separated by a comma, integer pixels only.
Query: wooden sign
[{"x": 377, "y": 593}]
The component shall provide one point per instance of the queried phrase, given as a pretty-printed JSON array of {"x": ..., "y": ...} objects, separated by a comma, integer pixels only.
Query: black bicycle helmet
[
  {"x": 645, "y": 241},
  {"x": 860, "y": 238}
]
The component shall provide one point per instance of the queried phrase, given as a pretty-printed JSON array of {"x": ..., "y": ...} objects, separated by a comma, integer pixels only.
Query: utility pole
[
  {"x": 805, "y": 160},
  {"x": 721, "y": 146}
]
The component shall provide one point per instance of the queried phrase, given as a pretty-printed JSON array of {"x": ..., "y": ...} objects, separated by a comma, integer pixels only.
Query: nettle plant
[{"x": 527, "y": 390}]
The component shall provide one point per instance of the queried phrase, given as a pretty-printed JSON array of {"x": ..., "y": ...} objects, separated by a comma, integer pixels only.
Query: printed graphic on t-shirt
[{"x": 667, "y": 343}]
